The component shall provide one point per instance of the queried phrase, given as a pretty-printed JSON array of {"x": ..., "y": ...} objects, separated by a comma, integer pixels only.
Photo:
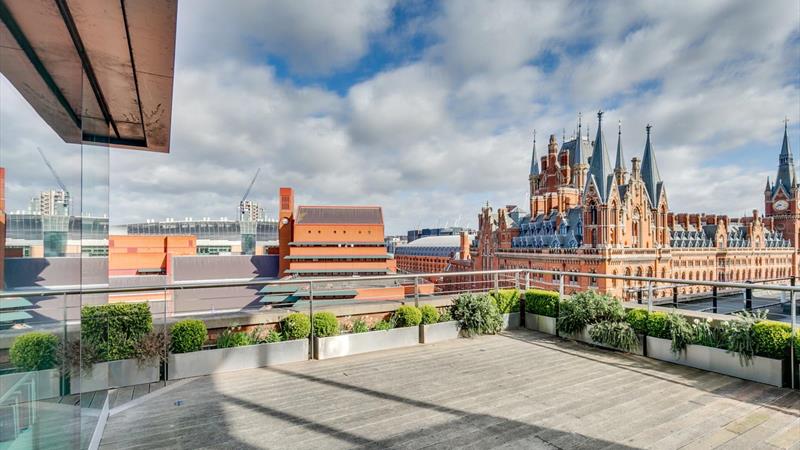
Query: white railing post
[
  {"x": 560, "y": 287},
  {"x": 649, "y": 296},
  {"x": 416, "y": 292},
  {"x": 527, "y": 280},
  {"x": 311, "y": 348},
  {"x": 794, "y": 336},
  {"x": 496, "y": 282}
]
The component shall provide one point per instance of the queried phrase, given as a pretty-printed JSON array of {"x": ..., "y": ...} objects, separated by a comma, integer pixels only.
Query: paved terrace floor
[{"x": 517, "y": 390}]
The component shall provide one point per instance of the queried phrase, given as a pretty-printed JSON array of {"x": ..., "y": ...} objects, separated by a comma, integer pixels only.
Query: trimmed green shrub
[
  {"x": 34, "y": 351},
  {"x": 115, "y": 328},
  {"x": 232, "y": 338},
  {"x": 188, "y": 336},
  {"x": 657, "y": 325},
  {"x": 325, "y": 324},
  {"x": 541, "y": 302},
  {"x": 615, "y": 334},
  {"x": 407, "y": 316},
  {"x": 477, "y": 314},
  {"x": 296, "y": 326},
  {"x": 429, "y": 314},
  {"x": 507, "y": 300},
  {"x": 359, "y": 326},
  {"x": 637, "y": 318},
  {"x": 771, "y": 339},
  {"x": 383, "y": 325},
  {"x": 585, "y": 308}
]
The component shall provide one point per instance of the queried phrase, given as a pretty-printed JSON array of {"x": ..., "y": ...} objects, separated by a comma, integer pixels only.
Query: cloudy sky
[{"x": 428, "y": 108}]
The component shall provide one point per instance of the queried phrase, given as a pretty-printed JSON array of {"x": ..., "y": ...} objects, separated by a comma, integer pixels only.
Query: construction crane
[
  {"x": 252, "y": 182},
  {"x": 53, "y": 171}
]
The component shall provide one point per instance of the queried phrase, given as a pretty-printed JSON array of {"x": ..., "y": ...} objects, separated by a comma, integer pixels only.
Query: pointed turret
[
  {"x": 769, "y": 186},
  {"x": 578, "y": 155},
  {"x": 534, "y": 158},
  {"x": 786, "y": 175},
  {"x": 600, "y": 171},
  {"x": 620, "y": 171},
  {"x": 650, "y": 175}
]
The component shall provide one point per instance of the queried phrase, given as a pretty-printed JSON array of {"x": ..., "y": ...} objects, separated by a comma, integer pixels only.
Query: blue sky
[{"x": 427, "y": 108}]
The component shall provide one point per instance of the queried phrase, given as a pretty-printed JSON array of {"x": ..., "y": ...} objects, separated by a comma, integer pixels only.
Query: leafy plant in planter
[
  {"x": 637, "y": 318},
  {"x": 383, "y": 325},
  {"x": 262, "y": 335},
  {"x": 507, "y": 300},
  {"x": 296, "y": 326},
  {"x": 233, "y": 338},
  {"x": 115, "y": 328},
  {"x": 188, "y": 336},
  {"x": 543, "y": 303},
  {"x": 586, "y": 308},
  {"x": 429, "y": 314},
  {"x": 477, "y": 314},
  {"x": 615, "y": 334},
  {"x": 34, "y": 351},
  {"x": 407, "y": 316},
  {"x": 703, "y": 333},
  {"x": 359, "y": 326},
  {"x": 151, "y": 347},
  {"x": 771, "y": 339},
  {"x": 738, "y": 335},
  {"x": 657, "y": 325},
  {"x": 445, "y": 316},
  {"x": 680, "y": 332},
  {"x": 325, "y": 324},
  {"x": 76, "y": 357}
]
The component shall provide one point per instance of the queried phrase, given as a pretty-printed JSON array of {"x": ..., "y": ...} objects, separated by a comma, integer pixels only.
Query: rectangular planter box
[
  {"x": 353, "y": 344},
  {"x": 543, "y": 324},
  {"x": 760, "y": 369},
  {"x": 113, "y": 374},
  {"x": 45, "y": 383},
  {"x": 584, "y": 336},
  {"x": 437, "y": 332},
  {"x": 206, "y": 362},
  {"x": 511, "y": 321}
]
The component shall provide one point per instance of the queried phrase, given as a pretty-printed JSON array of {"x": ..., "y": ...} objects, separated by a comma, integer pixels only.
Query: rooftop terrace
[{"x": 520, "y": 389}]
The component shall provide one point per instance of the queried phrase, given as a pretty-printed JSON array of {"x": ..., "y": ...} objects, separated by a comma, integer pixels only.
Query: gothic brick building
[{"x": 589, "y": 216}]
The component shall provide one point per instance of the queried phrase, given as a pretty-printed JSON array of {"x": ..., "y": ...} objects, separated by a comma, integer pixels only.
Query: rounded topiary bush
[
  {"x": 325, "y": 324},
  {"x": 541, "y": 302},
  {"x": 637, "y": 318},
  {"x": 296, "y": 326},
  {"x": 507, "y": 300},
  {"x": 771, "y": 339},
  {"x": 429, "y": 314},
  {"x": 34, "y": 351},
  {"x": 658, "y": 326},
  {"x": 477, "y": 314},
  {"x": 188, "y": 336},
  {"x": 407, "y": 316}
]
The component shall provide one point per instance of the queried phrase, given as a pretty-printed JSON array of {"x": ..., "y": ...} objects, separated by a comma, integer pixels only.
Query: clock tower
[{"x": 781, "y": 198}]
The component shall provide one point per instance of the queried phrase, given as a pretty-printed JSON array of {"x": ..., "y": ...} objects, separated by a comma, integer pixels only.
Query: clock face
[{"x": 781, "y": 205}]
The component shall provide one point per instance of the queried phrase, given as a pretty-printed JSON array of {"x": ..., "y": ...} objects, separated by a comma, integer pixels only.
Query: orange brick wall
[{"x": 129, "y": 254}]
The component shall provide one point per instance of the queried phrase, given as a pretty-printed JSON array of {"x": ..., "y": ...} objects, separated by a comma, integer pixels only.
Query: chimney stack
[{"x": 464, "y": 250}]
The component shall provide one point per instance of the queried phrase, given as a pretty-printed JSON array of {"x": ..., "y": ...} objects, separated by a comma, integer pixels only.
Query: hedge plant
[
  {"x": 541, "y": 302},
  {"x": 657, "y": 325},
  {"x": 325, "y": 324},
  {"x": 637, "y": 318},
  {"x": 34, "y": 351},
  {"x": 188, "y": 336},
  {"x": 429, "y": 314},
  {"x": 407, "y": 316},
  {"x": 477, "y": 314},
  {"x": 115, "y": 328},
  {"x": 771, "y": 339},
  {"x": 296, "y": 326},
  {"x": 586, "y": 308},
  {"x": 507, "y": 300}
]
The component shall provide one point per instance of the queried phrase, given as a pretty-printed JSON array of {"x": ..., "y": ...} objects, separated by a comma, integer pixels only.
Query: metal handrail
[{"x": 178, "y": 286}]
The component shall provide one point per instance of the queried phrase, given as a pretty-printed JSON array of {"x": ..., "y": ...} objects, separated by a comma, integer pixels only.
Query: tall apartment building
[
  {"x": 250, "y": 210},
  {"x": 51, "y": 203},
  {"x": 590, "y": 216}
]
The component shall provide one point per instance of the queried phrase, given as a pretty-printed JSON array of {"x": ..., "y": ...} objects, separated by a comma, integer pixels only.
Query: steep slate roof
[
  {"x": 534, "y": 158},
  {"x": 600, "y": 169},
  {"x": 366, "y": 215},
  {"x": 650, "y": 175},
  {"x": 786, "y": 175}
]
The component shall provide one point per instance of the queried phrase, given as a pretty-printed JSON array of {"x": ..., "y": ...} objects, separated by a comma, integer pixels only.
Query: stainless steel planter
[
  {"x": 760, "y": 369},
  {"x": 511, "y": 320},
  {"x": 353, "y": 344},
  {"x": 543, "y": 324},
  {"x": 437, "y": 332},
  {"x": 584, "y": 336},
  {"x": 206, "y": 362},
  {"x": 112, "y": 374},
  {"x": 45, "y": 383}
]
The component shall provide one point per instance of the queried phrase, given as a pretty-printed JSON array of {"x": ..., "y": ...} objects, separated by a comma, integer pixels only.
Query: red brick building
[
  {"x": 589, "y": 216},
  {"x": 432, "y": 254}
]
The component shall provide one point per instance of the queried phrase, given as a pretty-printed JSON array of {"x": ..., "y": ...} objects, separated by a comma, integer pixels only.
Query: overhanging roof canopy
[{"x": 95, "y": 71}]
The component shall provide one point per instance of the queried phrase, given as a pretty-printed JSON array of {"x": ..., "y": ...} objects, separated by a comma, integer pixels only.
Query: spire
[
  {"x": 534, "y": 158},
  {"x": 578, "y": 155},
  {"x": 600, "y": 169},
  {"x": 769, "y": 187},
  {"x": 620, "y": 163},
  {"x": 786, "y": 174},
  {"x": 650, "y": 175}
]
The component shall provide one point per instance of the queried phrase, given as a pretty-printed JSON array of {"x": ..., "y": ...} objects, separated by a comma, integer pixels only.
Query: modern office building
[
  {"x": 433, "y": 253},
  {"x": 589, "y": 216},
  {"x": 413, "y": 235}
]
